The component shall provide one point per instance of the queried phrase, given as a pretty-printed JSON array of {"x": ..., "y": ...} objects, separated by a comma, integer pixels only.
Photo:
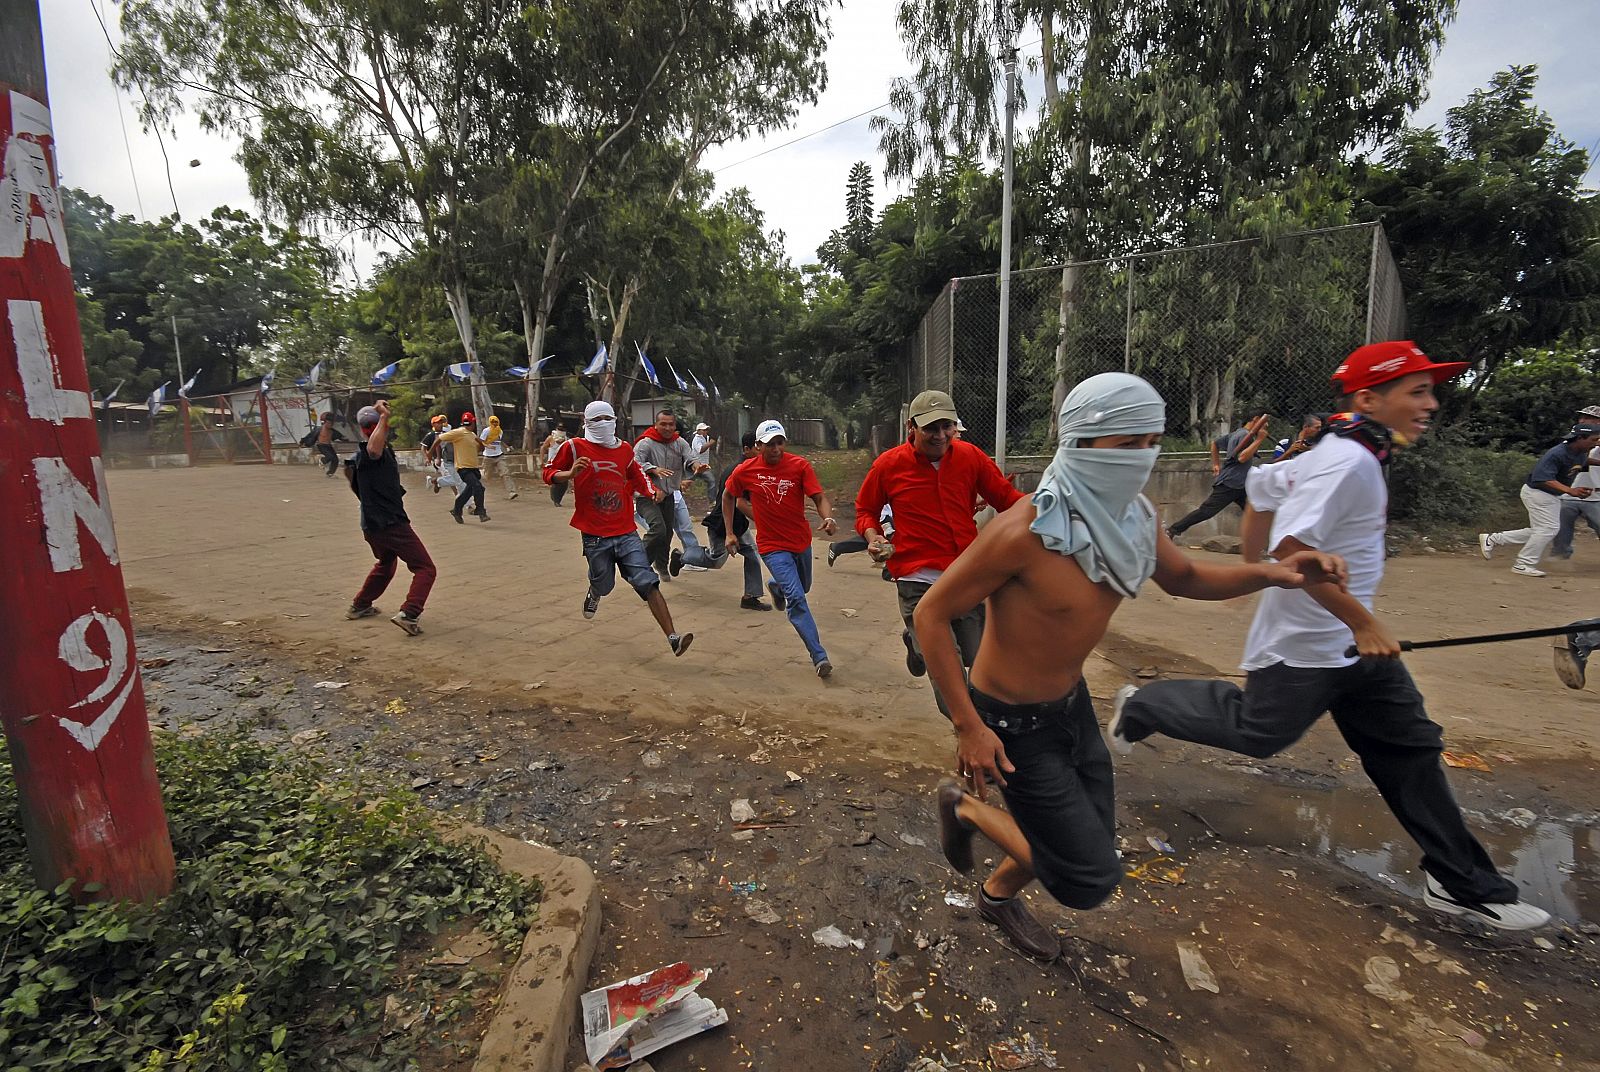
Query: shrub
[
  {"x": 1442, "y": 483},
  {"x": 295, "y": 894}
]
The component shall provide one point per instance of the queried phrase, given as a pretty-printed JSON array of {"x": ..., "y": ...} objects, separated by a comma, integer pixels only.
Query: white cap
[
  {"x": 598, "y": 409},
  {"x": 702, "y": 427},
  {"x": 768, "y": 430}
]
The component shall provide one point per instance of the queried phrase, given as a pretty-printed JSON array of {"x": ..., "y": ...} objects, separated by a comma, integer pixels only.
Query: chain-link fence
[{"x": 1222, "y": 331}]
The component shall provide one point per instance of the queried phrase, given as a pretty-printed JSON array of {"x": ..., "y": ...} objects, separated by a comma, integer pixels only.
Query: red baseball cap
[
  {"x": 1380, "y": 362},
  {"x": 468, "y": 418}
]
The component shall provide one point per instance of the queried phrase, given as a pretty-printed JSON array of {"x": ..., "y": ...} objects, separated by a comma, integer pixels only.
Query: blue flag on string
[
  {"x": 157, "y": 397},
  {"x": 716, "y": 392},
  {"x": 266, "y": 381},
  {"x": 649, "y": 369},
  {"x": 385, "y": 374},
  {"x": 183, "y": 392},
  {"x": 598, "y": 363},
  {"x": 519, "y": 372},
  {"x": 106, "y": 401},
  {"x": 683, "y": 384},
  {"x": 698, "y": 385},
  {"x": 538, "y": 366},
  {"x": 461, "y": 371}
]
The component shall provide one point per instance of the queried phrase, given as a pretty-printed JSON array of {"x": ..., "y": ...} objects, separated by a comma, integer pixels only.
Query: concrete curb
[{"x": 539, "y": 1003}]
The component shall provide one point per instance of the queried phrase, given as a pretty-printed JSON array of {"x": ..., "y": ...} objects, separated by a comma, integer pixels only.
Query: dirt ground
[{"x": 1287, "y": 875}]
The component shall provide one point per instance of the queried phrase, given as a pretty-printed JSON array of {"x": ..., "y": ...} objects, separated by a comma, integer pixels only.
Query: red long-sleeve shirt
[{"x": 933, "y": 520}]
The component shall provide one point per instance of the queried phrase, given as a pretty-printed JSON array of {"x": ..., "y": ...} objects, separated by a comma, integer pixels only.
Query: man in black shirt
[
  {"x": 1231, "y": 458},
  {"x": 742, "y": 541},
  {"x": 1551, "y": 478},
  {"x": 375, "y": 477}
]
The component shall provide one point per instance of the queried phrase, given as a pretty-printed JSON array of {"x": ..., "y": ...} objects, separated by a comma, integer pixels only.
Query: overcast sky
[{"x": 800, "y": 187}]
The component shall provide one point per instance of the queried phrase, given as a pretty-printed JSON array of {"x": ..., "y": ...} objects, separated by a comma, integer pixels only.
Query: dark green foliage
[
  {"x": 1443, "y": 483},
  {"x": 295, "y": 894},
  {"x": 1533, "y": 400}
]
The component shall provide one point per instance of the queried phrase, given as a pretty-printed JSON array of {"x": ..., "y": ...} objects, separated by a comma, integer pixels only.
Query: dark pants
[
  {"x": 330, "y": 457},
  {"x": 658, "y": 521},
  {"x": 1221, "y": 498},
  {"x": 1061, "y": 793},
  {"x": 388, "y": 545},
  {"x": 473, "y": 480},
  {"x": 968, "y": 629},
  {"x": 1379, "y": 711}
]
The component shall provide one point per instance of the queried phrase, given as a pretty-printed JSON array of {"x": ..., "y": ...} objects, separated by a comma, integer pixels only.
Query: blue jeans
[
  {"x": 716, "y": 556},
  {"x": 683, "y": 525},
  {"x": 1572, "y": 511},
  {"x": 791, "y": 572},
  {"x": 608, "y": 554}
]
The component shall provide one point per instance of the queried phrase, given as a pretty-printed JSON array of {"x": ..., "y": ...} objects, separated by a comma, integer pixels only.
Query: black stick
[{"x": 1486, "y": 638}]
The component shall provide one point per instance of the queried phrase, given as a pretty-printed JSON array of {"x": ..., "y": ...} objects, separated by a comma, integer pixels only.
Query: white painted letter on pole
[
  {"x": 65, "y": 502},
  {"x": 36, "y": 363}
]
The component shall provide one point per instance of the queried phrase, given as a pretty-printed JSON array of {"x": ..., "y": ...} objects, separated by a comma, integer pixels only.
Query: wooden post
[
  {"x": 72, "y": 703},
  {"x": 266, "y": 427},
  {"x": 188, "y": 439}
]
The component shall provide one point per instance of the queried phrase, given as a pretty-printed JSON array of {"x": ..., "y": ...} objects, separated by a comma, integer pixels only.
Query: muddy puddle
[{"x": 1553, "y": 859}]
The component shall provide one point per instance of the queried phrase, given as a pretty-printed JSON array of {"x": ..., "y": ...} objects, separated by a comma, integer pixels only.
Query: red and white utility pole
[{"x": 71, "y": 699}]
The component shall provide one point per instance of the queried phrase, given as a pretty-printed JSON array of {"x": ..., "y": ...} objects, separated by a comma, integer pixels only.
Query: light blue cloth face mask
[{"x": 1089, "y": 502}]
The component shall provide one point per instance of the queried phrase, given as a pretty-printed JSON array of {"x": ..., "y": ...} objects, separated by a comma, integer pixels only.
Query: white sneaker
[
  {"x": 1507, "y": 916},
  {"x": 1114, "y": 735},
  {"x": 1527, "y": 571},
  {"x": 1485, "y": 545}
]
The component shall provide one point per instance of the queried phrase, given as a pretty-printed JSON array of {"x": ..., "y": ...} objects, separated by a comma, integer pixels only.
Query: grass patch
[{"x": 298, "y": 895}]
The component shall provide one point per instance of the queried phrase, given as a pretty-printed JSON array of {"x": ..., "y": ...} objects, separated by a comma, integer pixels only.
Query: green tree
[
  {"x": 1534, "y": 397},
  {"x": 1492, "y": 228},
  {"x": 858, "y": 207}
]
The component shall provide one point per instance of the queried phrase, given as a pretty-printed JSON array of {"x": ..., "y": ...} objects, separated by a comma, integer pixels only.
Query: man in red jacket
[
  {"x": 605, "y": 477},
  {"x": 932, "y": 483}
]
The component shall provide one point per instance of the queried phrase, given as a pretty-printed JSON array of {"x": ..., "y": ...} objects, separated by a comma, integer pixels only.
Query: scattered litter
[
  {"x": 423, "y": 782},
  {"x": 863, "y": 838},
  {"x": 395, "y": 706},
  {"x": 1288, "y": 872},
  {"x": 761, "y": 911},
  {"x": 833, "y": 938},
  {"x": 1159, "y": 869},
  {"x": 1022, "y": 1052},
  {"x": 912, "y": 839},
  {"x": 740, "y": 811},
  {"x": 544, "y": 765},
  {"x": 1467, "y": 761},
  {"x": 741, "y": 888},
  {"x": 215, "y": 651},
  {"x": 1196, "y": 972},
  {"x": 1520, "y": 817},
  {"x": 760, "y": 755},
  {"x": 652, "y": 759},
  {"x": 1383, "y": 977},
  {"x": 330, "y": 684},
  {"x": 926, "y": 1064},
  {"x": 530, "y": 686},
  {"x": 296, "y": 615},
  {"x": 959, "y": 900},
  {"x": 403, "y": 1017},
  {"x": 987, "y": 1006},
  {"x": 743, "y": 835},
  {"x": 1544, "y": 943},
  {"x": 1160, "y": 845},
  {"x": 1145, "y": 673},
  {"x": 230, "y": 623},
  {"x": 851, "y": 612},
  {"x": 792, "y": 776},
  {"x": 898, "y": 982},
  {"x": 307, "y": 736},
  {"x": 636, "y": 1017},
  {"x": 452, "y": 686},
  {"x": 154, "y": 664},
  {"x": 1139, "y": 1000}
]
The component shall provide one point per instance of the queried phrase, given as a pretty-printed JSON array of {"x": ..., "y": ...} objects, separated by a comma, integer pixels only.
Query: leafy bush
[
  {"x": 1441, "y": 484},
  {"x": 295, "y": 895}
]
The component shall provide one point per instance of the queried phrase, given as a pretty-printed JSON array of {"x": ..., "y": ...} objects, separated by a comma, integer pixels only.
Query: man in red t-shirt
[
  {"x": 778, "y": 485},
  {"x": 932, "y": 482},
  {"x": 605, "y": 477}
]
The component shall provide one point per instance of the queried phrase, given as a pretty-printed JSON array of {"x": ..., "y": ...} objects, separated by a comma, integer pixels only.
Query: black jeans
[
  {"x": 1061, "y": 794},
  {"x": 1220, "y": 499},
  {"x": 1379, "y": 711},
  {"x": 329, "y": 456},
  {"x": 473, "y": 490},
  {"x": 968, "y": 629},
  {"x": 658, "y": 519}
]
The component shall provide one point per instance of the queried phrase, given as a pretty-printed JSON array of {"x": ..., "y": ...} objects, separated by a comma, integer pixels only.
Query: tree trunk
[
  {"x": 456, "y": 296},
  {"x": 533, "y": 335}
]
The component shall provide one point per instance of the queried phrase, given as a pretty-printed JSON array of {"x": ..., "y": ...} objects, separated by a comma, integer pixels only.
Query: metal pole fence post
[
  {"x": 1372, "y": 276},
  {"x": 73, "y": 703},
  {"x": 1003, "y": 359},
  {"x": 1127, "y": 324}
]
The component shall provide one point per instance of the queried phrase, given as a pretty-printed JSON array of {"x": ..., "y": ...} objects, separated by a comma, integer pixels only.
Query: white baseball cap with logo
[{"x": 767, "y": 431}]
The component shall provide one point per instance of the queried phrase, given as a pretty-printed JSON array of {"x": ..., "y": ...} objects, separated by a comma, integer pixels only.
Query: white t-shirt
[
  {"x": 1332, "y": 498},
  {"x": 1589, "y": 478}
]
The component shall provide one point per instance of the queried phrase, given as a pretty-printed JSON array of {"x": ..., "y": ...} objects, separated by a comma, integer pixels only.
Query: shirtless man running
[{"x": 1053, "y": 571}]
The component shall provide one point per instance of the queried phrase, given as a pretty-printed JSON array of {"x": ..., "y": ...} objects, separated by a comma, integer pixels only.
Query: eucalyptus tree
[
  {"x": 350, "y": 113},
  {"x": 1169, "y": 119}
]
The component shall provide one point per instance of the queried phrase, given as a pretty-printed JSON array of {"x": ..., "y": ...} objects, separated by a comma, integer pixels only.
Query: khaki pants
[
  {"x": 1544, "y": 521},
  {"x": 499, "y": 467}
]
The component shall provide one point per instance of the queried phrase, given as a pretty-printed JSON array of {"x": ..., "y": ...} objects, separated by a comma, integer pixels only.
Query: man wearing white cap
[
  {"x": 778, "y": 484},
  {"x": 1552, "y": 478},
  {"x": 701, "y": 448}
]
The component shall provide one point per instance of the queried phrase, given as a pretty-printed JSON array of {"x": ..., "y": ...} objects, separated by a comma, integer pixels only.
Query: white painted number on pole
[
  {"x": 120, "y": 674},
  {"x": 64, "y": 502},
  {"x": 41, "y": 375},
  {"x": 29, "y": 204}
]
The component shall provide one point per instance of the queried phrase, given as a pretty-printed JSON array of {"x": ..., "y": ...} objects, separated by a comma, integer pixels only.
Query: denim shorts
[{"x": 608, "y": 554}]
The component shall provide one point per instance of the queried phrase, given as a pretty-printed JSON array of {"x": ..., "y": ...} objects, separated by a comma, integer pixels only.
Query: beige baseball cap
[{"x": 931, "y": 406}]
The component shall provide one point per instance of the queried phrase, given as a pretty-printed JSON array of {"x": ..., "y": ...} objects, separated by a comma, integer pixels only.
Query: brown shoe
[
  {"x": 1025, "y": 932},
  {"x": 955, "y": 834}
]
